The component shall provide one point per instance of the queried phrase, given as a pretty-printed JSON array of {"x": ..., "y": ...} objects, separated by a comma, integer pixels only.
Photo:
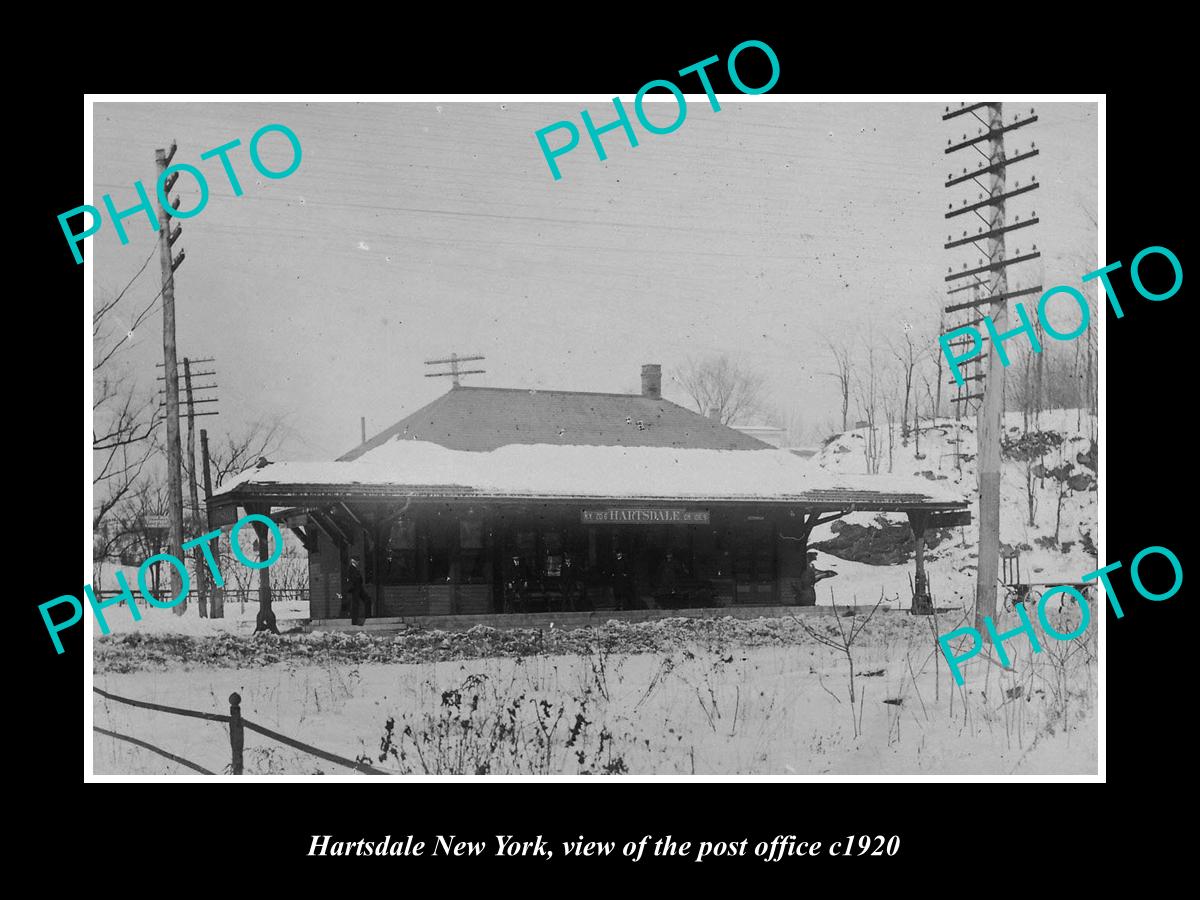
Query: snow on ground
[
  {"x": 670, "y": 696},
  {"x": 762, "y": 696},
  {"x": 238, "y": 618}
]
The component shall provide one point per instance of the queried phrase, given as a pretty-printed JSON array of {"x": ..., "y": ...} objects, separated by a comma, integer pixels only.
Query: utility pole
[
  {"x": 201, "y": 581},
  {"x": 993, "y": 293},
  {"x": 171, "y": 373},
  {"x": 217, "y": 607},
  {"x": 989, "y": 426},
  {"x": 362, "y": 422},
  {"x": 455, "y": 371},
  {"x": 191, "y": 401}
]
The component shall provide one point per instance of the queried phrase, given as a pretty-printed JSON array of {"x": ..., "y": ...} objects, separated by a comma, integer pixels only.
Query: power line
[
  {"x": 96, "y": 315},
  {"x": 129, "y": 333}
]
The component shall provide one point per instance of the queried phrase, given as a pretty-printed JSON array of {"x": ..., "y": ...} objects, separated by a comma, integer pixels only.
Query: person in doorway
[
  {"x": 355, "y": 593},
  {"x": 668, "y": 578},
  {"x": 622, "y": 581}
]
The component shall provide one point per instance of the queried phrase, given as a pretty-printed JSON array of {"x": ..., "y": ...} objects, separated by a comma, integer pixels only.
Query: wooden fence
[
  {"x": 237, "y": 729},
  {"x": 232, "y": 595}
]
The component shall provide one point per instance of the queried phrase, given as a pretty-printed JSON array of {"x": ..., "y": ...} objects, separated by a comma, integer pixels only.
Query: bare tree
[
  {"x": 1062, "y": 475},
  {"x": 228, "y": 457},
  {"x": 1041, "y": 370},
  {"x": 908, "y": 350},
  {"x": 1031, "y": 489},
  {"x": 134, "y": 531},
  {"x": 842, "y": 641},
  {"x": 890, "y": 406},
  {"x": 867, "y": 393},
  {"x": 123, "y": 420},
  {"x": 122, "y": 425},
  {"x": 939, "y": 359},
  {"x": 1086, "y": 393},
  {"x": 717, "y": 383},
  {"x": 241, "y": 450},
  {"x": 917, "y": 423},
  {"x": 841, "y": 361}
]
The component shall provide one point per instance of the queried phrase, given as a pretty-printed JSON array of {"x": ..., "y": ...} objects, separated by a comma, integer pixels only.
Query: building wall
[
  {"x": 324, "y": 577},
  {"x": 740, "y": 554}
]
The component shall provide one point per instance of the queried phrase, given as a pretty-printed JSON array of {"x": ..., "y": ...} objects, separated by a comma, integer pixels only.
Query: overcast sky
[{"x": 413, "y": 230}]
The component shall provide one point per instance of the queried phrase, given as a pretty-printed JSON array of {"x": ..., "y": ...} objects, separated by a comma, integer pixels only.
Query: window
[
  {"x": 753, "y": 552},
  {"x": 399, "y": 562},
  {"x": 441, "y": 534},
  {"x": 472, "y": 555}
]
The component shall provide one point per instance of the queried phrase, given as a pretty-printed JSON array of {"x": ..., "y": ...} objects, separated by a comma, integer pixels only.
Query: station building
[{"x": 492, "y": 501}]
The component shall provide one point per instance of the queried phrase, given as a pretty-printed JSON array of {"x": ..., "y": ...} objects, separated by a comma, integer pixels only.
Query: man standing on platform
[{"x": 355, "y": 594}]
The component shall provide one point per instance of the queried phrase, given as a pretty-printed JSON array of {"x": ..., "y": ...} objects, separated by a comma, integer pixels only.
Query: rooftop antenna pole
[{"x": 455, "y": 371}]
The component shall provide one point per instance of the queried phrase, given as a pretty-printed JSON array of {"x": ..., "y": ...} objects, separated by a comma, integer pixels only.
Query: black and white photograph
[{"x": 488, "y": 437}]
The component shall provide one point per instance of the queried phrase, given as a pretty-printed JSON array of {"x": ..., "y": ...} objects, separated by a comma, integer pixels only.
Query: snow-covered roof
[
  {"x": 484, "y": 418},
  {"x": 543, "y": 471}
]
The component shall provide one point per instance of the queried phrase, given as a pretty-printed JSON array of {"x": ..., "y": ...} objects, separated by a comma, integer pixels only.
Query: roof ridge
[{"x": 480, "y": 387}]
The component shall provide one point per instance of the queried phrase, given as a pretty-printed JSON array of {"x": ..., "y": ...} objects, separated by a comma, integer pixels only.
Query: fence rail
[
  {"x": 158, "y": 750},
  {"x": 237, "y": 727},
  {"x": 232, "y": 595}
]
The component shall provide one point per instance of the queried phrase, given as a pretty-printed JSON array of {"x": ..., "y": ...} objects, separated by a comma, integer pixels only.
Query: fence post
[{"x": 236, "y": 733}]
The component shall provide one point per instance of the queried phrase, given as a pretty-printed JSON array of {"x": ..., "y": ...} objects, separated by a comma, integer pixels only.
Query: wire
[
  {"x": 100, "y": 312},
  {"x": 129, "y": 333}
]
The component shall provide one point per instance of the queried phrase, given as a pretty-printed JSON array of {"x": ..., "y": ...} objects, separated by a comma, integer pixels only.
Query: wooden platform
[{"x": 586, "y": 619}]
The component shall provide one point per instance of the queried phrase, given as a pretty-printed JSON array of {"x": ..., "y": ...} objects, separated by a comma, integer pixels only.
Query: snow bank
[{"x": 1072, "y": 516}]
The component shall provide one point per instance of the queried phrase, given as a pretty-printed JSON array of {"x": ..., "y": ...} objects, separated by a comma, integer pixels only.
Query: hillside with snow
[{"x": 1048, "y": 507}]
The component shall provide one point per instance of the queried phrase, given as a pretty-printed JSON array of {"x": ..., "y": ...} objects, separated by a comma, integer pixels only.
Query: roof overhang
[
  {"x": 305, "y": 496},
  {"x": 411, "y": 471}
]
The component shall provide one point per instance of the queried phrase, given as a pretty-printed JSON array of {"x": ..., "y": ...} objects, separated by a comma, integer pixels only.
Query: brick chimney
[
  {"x": 652, "y": 381},
  {"x": 714, "y": 413}
]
